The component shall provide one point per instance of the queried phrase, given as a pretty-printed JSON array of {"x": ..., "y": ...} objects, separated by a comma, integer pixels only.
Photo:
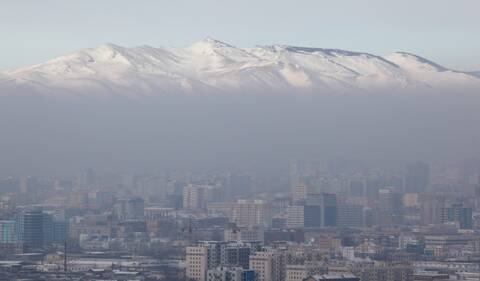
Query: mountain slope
[
  {"x": 210, "y": 66},
  {"x": 475, "y": 73}
]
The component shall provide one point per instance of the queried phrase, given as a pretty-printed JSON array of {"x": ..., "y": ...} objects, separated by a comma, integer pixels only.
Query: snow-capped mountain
[
  {"x": 211, "y": 66},
  {"x": 475, "y": 73}
]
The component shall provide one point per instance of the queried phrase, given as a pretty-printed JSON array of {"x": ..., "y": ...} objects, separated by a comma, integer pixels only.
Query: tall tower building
[
  {"x": 300, "y": 193},
  {"x": 35, "y": 228},
  {"x": 294, "y": 174},
  {"x": 417, "y": 177},
  {"x": 329, "y": 210},
  {"x": 24, "y": 184},
  {"x": 390, "y": 206}
]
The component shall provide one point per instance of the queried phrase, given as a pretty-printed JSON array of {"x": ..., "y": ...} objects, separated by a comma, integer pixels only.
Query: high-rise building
[
  {"x": 209, "y": 255},
  {"x": 60, "y": 231},
  {"x": 196, "y": 263},
  {"x": 24, "y": 184},
  {"x": 294, "y": 174},
  {"x": 318, "y": 210},
  {"x": 30, "y": 227},
  {"x": 251, "y": 212},
  {"x": 130, "y": 209},
  {"x": 194, "y": 196},
  {"x": 262, "y": 264},
  {"x": 431, "y": 206},
  {"x": 312, "y": 215},
  {"x": 269, "y": 265},
  {"x": 328, "y": 208},
  {"x": 33, "y": 228},
  {"x": 350, "y": 215},
  {"x": 300, "y": 193},
  {"x": 135, "y": 209},
  {"x": 7, "y": 232},
  {"x": 417, "y": 177},
  {"x": 100, "y": 199},
  {"x": 37, "y": 229},
  {"x": 279, "y": 222},
  {"x": 391, "y": 207},
  {"x": 236, "y": 255},
  {"x": 457, "y": 212},
  {"x": 358, "y": 187},
  {"x": 295, "y": 216}
]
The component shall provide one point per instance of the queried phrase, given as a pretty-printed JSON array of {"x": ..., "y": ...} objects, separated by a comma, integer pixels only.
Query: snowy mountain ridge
[{"x": 211, "y": 66}]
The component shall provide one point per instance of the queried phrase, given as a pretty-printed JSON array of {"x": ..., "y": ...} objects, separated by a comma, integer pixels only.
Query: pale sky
[{"x": 445, "y": 31}]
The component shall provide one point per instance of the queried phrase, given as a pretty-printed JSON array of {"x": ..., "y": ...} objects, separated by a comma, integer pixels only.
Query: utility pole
[{"x": 65, "y": 269}]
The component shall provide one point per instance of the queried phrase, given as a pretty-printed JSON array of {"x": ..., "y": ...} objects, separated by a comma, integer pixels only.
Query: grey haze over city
[
  {"x": 240, "y": 140},
  {"x": 211, "y": 105}
]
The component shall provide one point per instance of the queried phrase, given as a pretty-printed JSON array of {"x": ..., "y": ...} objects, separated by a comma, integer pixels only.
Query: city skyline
[
  {"x": 238, "y": 140},
  {"x": 315, "y": 222}
]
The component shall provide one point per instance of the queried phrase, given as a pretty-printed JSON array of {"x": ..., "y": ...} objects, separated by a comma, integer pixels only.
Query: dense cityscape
[
  {"x": 240, "y": 140},
  {"x": 317, "y": 220}
]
